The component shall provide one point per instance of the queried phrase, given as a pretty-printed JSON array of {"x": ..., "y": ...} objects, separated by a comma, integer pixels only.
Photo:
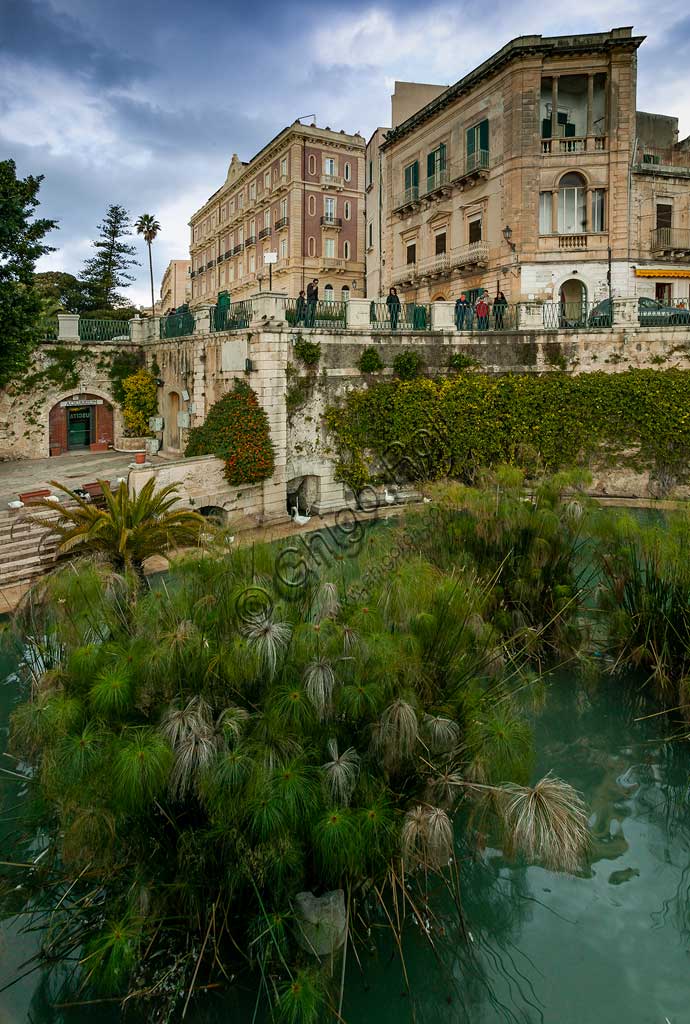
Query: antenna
[{"x": 304, "y": 116}]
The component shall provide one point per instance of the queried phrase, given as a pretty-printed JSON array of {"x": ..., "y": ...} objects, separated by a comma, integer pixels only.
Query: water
[{"x": 611, "y": 946}]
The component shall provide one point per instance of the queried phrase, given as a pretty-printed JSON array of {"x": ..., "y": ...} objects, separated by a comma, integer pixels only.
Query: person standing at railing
[
  {"x": 500, "y": 303},
  {"x": 482, "y": 311},
  {"x": 463, "y": 312},
  {"x": 301, "y": 309},
  {"x": 312, "y": 299},
  {"x": 393, "y": 303}
]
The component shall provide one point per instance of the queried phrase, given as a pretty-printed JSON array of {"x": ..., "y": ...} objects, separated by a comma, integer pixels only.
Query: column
[
  {"x": 68, "y": 327},
  {"x": 588, "y": 210},
  {"x": 554, "y": 109},
  {"x": 590, "y": 107},
  {"x": 554, "y": 212}
]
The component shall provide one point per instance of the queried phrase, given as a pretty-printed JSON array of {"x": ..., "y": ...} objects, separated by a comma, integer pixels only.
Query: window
[
  {"x": 283, "y": 248},
  {"x": 329, "y": 248},
  {"x": 240, "y": 236},
  {"x": 371, "y": 236},
  {"x": 231, "y": 241},
  {"x": 412, "y": 253},
  {"x": 312, "y": 205},
  {"x": 252, "y": 190},
  {"x": 283, "y": 166},
  {"x": 371, "y": 172},
  {"x": 267, "y": 180},
  {"x": 222, "y": 275},
  {"x": 346, "y": 250},
  {"x": 477, "y": 140},
  {"x": 311, "y": 246},
  {"x": 598, "y": 210},
  {"x": 346, "y": 293},
  {"x": 347, "y": 209},
  {"x": 231, "y": 273},
  {"x": 328, "y": 293},
  {"x": 252, "y": 263},
  {"x": 312, "y": 164},
  {"x": 572, "y": 197},
  {"x": 475, "y": 230},
  {"x": 545, "y": 207},
  {"x": 252, "y": 228},
  {"x": 329, "y": 165},
  {"x": 283, "y": 208},
  {"x": 435, "y": 166},
  {"x": 267, "y": 218},
  {"x": 329, "y": 207},
  {"x": 240, "y": 270},
  {"x": 232, "y": 206},
  {"x": 440, "y": 243},
  {"x": 411, "y": 175},
  {"x": 347, "y": 172},
  {"x": 240, "y": 201},
  {"x": 664, "y": 215}
]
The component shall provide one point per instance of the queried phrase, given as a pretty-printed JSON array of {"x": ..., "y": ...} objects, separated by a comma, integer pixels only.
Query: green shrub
[
  {"x": 141, "y": 402},
  {"x": 460, "y": 361},
  {"x": 370, "y": 361},
  {"x": 123, "y": 365},
  {"x": 308, "y": 352},
  {"x": 236, "y": 430},
  {"x": 408, "y": 365}
]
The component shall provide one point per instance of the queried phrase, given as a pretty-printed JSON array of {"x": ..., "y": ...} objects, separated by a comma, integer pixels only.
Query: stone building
[
  {"x": 302, "y": 198},
  {"x": 523, "y": 176},
  {"x": 175, "y": 286}
]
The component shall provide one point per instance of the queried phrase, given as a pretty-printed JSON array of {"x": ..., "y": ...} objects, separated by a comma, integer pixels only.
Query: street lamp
[{"x": 508, "y": 234}]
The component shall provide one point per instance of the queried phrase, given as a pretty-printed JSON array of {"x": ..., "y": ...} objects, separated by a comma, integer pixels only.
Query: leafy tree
[
  {"x": 21, "y": 244},
  {"x": 148, "y": 226},
  {"x": 61, "y": 289},
  {"x": 108, "y": 270}
]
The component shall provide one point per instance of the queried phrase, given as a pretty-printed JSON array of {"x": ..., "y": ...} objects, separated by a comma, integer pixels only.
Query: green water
[{"x": 611, "y": 946}]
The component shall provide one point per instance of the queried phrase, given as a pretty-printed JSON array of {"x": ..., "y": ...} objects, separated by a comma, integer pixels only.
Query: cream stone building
[
  {"x": 535, "y": 174},
  {"x": 175, "y": 286},
  {"x": 302, "y": 198}
]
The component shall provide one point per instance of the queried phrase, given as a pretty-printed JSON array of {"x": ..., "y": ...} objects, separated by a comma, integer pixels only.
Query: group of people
[
  {"x": 305, "y": 310},
  {"x": 465, "y": 311}
]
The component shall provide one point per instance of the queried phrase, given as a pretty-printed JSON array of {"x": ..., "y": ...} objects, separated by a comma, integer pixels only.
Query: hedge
[{"x": 236, "y": 430}]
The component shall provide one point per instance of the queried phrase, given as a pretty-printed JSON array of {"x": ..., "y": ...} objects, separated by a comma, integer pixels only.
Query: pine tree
[
  {"x": 21, "y": 244},
  {"x": 109, "y": 268}
]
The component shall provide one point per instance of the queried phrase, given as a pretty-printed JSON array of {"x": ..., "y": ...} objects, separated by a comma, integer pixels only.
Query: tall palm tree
[
  {"x": 129, "y": 529},
  {"x": 148, "y": 226}
]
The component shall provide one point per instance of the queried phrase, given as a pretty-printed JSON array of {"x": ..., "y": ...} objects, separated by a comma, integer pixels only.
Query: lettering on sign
[{"x": 80, "y": 401}]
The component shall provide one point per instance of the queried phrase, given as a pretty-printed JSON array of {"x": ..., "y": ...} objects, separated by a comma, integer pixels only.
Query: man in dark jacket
[
  {"x": 463, "y": 311},
  {"x": 301, "y": 309},
  {"x": 312, "y": 299},
  {"x": 393, "y": 303}
]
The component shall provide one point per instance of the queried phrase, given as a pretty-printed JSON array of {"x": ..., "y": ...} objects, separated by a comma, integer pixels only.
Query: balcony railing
[
  {"x": 235, "y": 317},
  {"x": 332, "y": 181},
  {"x": 474, "y": 166},
  {"x": 282, "y": 223},
  {"x": 471, "y": 255},
  {"x": 406, "y": 198},
  {"x": 574, "y": 144},
  {"x": 437, "y": 181},
  {"x": 210, "y": 264},
  {"x": 103, "y": 330},
  {"x": 572, "y": 241},
  {"x": 238, "y": 248},
  {"x": 674, "y": 240},
  {"x": 250, "y": 240},
  {"x": 649, "y": 158},
  {"x": 333, "y": 263},
  {"x": 177, "y": 325},
  {"x": 280, "y": 183},
  {"x": 408, "y": 316},
  {"x": 406, "y": 274},
  {"x": 435, "y": 266},
  {"x": 324, "y": 314},
  {"x": 328, "y": 221},
  {"x": 264, "y": 233},
  {"x": 575, "y": 316}
]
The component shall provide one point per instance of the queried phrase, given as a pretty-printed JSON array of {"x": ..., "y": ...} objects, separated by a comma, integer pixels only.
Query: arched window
[
  {"x": 346, "y": 293},
  {"x": 572, "y": 204},
  {"x": 346, "y": 250},
  {"x": 311, "y": 246},
  {"x": 347, "y": 172},
  {"x": 328, "y": 293},
  {"x": 312, "y": 205},
  {"x": 347, "y": 209},
  {"x": 312, "y": 164}
]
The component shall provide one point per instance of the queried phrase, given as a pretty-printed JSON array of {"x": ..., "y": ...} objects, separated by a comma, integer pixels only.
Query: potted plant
[
  {"x": 140, "y": 458},
  {"x": 55, "y": 449}
]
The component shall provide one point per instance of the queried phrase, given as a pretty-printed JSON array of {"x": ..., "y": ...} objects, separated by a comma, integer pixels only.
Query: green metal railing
[
  {"x": 409, "y": 316},
  {"x": 498, "y": 318},
  {"x": 177, "y": 325},
  {"x": 233, "y": 317},
  {"x": 103, "y": 330},
  {"x": 51, "y": 330},
  {"x": 576, "y": 316},
  {"x": 329, "y": 316}
]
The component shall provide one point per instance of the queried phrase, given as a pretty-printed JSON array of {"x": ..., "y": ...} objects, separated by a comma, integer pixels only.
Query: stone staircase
[{"x": 26, "y": 549}]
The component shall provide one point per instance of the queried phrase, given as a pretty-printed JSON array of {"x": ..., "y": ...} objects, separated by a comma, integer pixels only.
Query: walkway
[{"x": 72, "y": 469}]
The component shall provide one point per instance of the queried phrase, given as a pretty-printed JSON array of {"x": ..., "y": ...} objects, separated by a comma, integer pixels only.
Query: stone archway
[
  {"x": 171, "y": 430},
  {"x": 82, "y": 421}
]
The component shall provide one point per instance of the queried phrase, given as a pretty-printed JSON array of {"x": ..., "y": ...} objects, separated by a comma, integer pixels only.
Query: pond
[{"x": 610, "y": 945}]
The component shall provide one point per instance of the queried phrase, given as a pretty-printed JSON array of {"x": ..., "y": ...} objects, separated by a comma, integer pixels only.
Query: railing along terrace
[
  {"x": 177, "y": 325},
  {"x": 103, "y": 330},
  {"x": 576, "y": 316},
  {"x": 574, "y": 144},
  {"x": 51, "y": 330},
  {"x": 324, "y": 314},
  {"x": 499, "y": 317},
  {"x": 235, "y": 317},
  {"x": 408, "y": 316}
]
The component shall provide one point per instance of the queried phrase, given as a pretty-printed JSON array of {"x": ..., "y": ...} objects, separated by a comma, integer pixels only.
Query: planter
[
  {"x": 99, "y": 446},
  {"x": 140, "y": 458},
  {"x": 55, "y": 449}
]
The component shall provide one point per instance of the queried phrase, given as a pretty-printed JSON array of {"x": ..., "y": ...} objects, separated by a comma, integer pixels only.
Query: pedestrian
[
  {"x": 463, "y": 311},
  {"x": 500, "y": 303},
  {"x": 301, "y": 308},
  {"x": 312, "y": 299},
  {"x": 393, "y": 303},
  {"x": 482, "y": 311}
]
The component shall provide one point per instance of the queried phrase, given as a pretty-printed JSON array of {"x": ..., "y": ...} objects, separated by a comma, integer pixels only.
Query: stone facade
[
  {"x": 301, "y": 197},
  {"x": 175, "y": 286}
]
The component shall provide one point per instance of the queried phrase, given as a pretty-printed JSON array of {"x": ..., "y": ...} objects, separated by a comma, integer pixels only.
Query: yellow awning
[{"x": 660, "y": 272}]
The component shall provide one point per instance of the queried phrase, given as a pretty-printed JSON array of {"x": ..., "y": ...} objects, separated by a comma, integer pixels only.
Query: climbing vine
[
  {"x": 140, "y": 402},
  {"x": 451, "y": 426},
  {"x": 236, "y": 430}
]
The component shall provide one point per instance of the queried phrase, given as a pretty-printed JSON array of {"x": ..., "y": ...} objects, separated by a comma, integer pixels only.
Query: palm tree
[
  {"x": 129, "y": 529},
  {"x": 148, "y": 226}
]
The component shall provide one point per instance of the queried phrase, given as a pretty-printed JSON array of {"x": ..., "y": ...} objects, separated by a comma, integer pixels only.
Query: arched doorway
[
  {"x": 439, "y": 298},
  {"x": 573, "y": 303},
  {"x": 81, "y": 422},
  {"x": 171, "y": 434}
]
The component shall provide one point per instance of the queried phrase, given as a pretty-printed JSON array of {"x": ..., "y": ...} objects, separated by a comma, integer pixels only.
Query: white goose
[
  {"x": 297, "y": 518},
  {"x": 388, "y": 498}
]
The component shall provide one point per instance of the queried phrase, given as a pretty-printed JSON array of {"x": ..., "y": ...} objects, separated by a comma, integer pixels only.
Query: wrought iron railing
[
  {"x": 436, "y": 180},
  {"x": 103, "y": 330},
  {"x": 235, "y": 317},
  {"x": 576, "y": 316},
  {"x": 410, "y": 195},
  {"x": 177, "y": 325},
  {"x": 323, "y": 314},
  {"x": 250, "y": 240},
  {"x": 671, "y": 238},
  {"x": 282, "y": 222},
  {"x": 408, "y": 316},
  {"x": 477, "y": 161},
  {"x": 50, "y": 332},
  {"x": 265, "y": 232},
  {"x": 330, "y": 221},
  {"x": 496, "y": 317}
]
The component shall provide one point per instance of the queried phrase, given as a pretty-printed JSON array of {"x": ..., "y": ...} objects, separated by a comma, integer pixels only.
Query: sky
[{"x": 143, "y": 102}]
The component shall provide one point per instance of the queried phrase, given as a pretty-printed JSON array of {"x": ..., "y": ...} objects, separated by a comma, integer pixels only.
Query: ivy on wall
[
  {"x": 431, "y": 428},
  {"x": 140, "y": 402},
  {"x": 236, "y": 430}
]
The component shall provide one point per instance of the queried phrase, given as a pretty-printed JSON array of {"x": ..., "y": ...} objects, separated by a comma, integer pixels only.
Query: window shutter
[
  {"x": 484, "y": 136},
  {"x": 442, "y": 157},
  {"x": 408, "y": 177},
  {"x": 470, "y": 141},
  {"x": 430, "y": 164},
  {"x": 415, "y": 173}
]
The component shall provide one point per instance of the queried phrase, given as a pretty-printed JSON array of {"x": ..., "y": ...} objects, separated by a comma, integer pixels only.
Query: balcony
[
  {"x": 280, "y": 183},
  {"x": 332, "y": 181},
  {"x": 265, "y": 232},
  {"x": 406, "y": 275},
  {"x": 672, "y": 242},
  {"x": 328, "y": 221},
  {"x": 406, "y": 201},
  {"x": 474, "y": 168},
  {"x": 435, "y": 266},
  {"x": 333, "y": 263},
  {"x": 251, "y": 240},
  {"x": 210, "y": 264},
  {"x": 228, "y": 254},
  {"x": 438, "y": 184},
  {"x": 574, "y": 144},
  {"x": 282, "y": 223},
  {"x": 238, "y": 248},
  {"x": 570, "y": 242},
  {"x": 474, "y": 254}
]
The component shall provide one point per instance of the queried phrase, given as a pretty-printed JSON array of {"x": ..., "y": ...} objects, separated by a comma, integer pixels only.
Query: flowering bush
[
  {"x": 140, "y": 402},
  {"x": 236, "y": 430}
]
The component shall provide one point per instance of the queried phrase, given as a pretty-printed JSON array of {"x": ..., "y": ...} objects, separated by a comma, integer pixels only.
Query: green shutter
[
  {"x": 415, "y": 173},
  {"x": 470, "y": 141},
  {"x": 484, "y": 136},
  {"x": 431, "y": 164},
  {"x": 442, "y": 157},
  {"x": 408, "y": 177}
]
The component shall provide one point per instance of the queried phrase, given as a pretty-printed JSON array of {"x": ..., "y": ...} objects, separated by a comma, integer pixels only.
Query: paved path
[{"x": 72, "y": 469}]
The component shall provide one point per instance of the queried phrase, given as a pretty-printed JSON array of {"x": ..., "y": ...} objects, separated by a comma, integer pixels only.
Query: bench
[
  {"x": 95, "y": 493},
  {"x": 28, "y": 496}
]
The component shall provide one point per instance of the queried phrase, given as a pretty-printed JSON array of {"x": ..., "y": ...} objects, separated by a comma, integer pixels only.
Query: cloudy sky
[{"x": 143, "y": 102}]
